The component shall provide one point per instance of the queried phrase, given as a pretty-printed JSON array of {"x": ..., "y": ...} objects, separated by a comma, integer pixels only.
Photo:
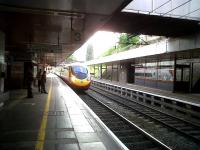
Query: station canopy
[
  {"x": 48, "y": 31},
  {"x": 169, "y": 18},
  {"x": 180, "y": 9}
]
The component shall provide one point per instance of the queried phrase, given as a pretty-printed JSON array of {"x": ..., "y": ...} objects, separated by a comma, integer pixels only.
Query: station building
[{"x": 171, "y": 64}]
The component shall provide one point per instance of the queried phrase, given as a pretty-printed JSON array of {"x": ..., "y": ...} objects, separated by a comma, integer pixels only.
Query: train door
[{"x": 182, "y": 80}]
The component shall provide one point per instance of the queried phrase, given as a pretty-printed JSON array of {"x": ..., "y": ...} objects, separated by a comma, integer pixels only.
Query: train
[{"x": 76, "y": 75}]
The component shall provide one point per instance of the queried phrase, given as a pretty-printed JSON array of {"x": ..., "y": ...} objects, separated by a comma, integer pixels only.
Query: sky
[{"x": 101, "y": 42}]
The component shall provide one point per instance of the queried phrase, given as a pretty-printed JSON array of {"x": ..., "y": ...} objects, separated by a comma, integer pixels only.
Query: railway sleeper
[
  {"x": 105, "y": 115},
  {"x": 125, "y": 133},
  {"x": 194, "y": 132},
  {"x": 101, "y": 110},
  {"x": 141, "y": 145},
  {"x": 109, "y": 120},
  {"x": 133, "y": 138},
  {"x": 187, "y": 128},
  {"x": 121, "y": 126},
  {"x": 115, "y": 129},
  {"x": 113, "y": 123}
]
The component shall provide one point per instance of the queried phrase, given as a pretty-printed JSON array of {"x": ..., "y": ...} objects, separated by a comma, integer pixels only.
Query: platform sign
[{"x": 77, "y": 36}]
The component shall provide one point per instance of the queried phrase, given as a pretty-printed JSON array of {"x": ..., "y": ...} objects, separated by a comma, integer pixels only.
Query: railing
[{"x": 162, "y": 103}]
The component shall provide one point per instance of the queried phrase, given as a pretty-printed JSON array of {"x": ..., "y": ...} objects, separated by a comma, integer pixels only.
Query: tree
[
  {"x": 110, "y": 51},
  {"x": 89, "y": 53},
  {"x": 126, "y": 41},
  {"x": 71, "y": 59}
]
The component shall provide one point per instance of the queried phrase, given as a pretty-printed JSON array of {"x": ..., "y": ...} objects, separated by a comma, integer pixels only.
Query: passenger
[
  {"x": 29, "y": 82},
  {"x": 39, "y": 74},
  {"x": 43, "y": 81}
]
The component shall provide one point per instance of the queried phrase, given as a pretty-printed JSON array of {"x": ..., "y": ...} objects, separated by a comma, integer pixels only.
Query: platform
[
  {"x": 55, "y": 121},
  {"x": 190, "y": 98}
]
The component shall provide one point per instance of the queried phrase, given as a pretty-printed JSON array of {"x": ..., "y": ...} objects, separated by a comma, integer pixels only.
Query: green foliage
[
  {"x": 126, "y": 39},
  {"x": 125, "y": 42},
  {"x": 71, "y": 59},
  {"x": 110, "y": 51},
  {"x": 89, "y": 53}
]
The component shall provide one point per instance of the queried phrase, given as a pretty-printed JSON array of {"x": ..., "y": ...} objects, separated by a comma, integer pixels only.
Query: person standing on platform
[
  {"x": 43, "y": 82},
  {"x": 29, "y": 82},
  {"x": 39, "y": 74}
]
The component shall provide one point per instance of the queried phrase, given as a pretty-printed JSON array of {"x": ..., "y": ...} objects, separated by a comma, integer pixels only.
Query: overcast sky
[{"x": 101, "y": 41}]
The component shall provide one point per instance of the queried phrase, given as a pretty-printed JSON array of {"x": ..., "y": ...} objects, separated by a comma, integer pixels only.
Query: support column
[
  {"x": 2, "y": 61},
  {"x": 174, "y": 80},
  {"x": 4, "y": 96}
]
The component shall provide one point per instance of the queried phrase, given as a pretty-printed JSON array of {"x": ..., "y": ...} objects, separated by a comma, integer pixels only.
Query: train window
[
  {"x": 77, "y": 69},
  {"x": 80, "y": 72}
]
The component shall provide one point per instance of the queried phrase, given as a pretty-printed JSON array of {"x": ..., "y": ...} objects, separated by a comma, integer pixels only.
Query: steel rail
[
  {"x": 129, "y": 133},
  {"x": 177, "y": 124}
]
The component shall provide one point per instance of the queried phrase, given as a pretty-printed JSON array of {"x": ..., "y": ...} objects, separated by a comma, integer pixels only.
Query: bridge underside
[
  {"x": 48, "y": 32},
  {"x": 150, "y": 25}
]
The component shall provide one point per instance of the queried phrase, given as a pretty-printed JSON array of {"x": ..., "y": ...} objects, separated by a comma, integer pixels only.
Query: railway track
[
  {"x": 131, "y": 135},
  {"x": 186, "y": 129}
]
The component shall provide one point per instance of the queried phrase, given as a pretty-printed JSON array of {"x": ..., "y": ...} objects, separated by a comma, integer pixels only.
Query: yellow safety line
[{"x": 41, "y": 135}]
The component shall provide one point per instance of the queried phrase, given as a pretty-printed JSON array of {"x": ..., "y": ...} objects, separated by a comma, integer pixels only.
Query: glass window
[
  {"x": 77, "y": 69},
  {"x": 96, "y": 71},
  {"x": 166, "y": 74},
  {"x": 115, "y": 74},
  {"x": 91, "y": 68},
  {"x": 166, "y": 70},
  {"x": 151, "y": 73},
  {"x": 80, "y": 72},
  {"x": 139, "y": 72},
  {"x": 166, "y": 63},
  {"x": 178, "y": 74},
  {"x": 186, "y": 74},
  {"x": 196, "y": 73},
  {"x": 104, "y": 71},
  {"x": 183, "y": 62},
  {"x": 154, "y": 64},
  {"x": 109, "y": 72}
]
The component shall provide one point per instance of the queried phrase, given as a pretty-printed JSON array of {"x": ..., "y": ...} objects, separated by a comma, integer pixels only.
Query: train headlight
[{"x": 73, "y": 78}]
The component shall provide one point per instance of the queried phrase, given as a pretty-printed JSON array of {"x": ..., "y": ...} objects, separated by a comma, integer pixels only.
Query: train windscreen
[{"x": 80, "y": 72}]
